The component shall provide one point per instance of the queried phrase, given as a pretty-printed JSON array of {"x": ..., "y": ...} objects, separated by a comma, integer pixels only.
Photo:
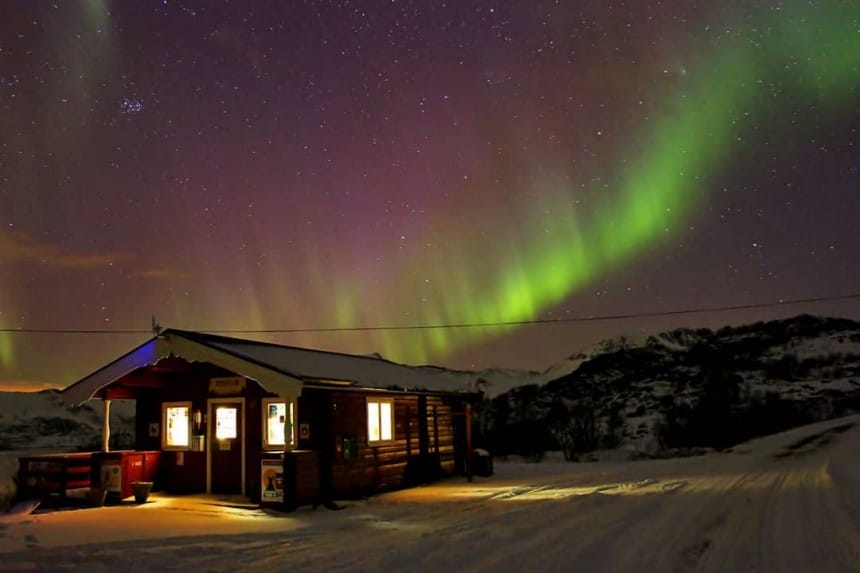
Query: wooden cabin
[{"x": 279, "y": 424}]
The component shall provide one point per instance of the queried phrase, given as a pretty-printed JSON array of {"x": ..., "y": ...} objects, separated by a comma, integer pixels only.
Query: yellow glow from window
[
  {"x": 177, "y": 421},
  {"x": 380, "y": 420},
  {"x": 373, "y": 421},
  {"x": 385, "y": 417},
  {"x": 276, "y": 417},
  {"x": 226, "y": 423}
]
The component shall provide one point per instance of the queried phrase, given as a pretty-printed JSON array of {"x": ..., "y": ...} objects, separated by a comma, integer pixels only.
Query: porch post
[
  {"x": 468, "y": 441},
  {"x": 289, "y": 426},
  {"x": 106, "y": 426}
]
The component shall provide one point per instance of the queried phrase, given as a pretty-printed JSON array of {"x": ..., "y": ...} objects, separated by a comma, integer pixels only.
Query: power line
[
  {"x": 69, "y": 331},
  {"x": 605, "y": 317}
]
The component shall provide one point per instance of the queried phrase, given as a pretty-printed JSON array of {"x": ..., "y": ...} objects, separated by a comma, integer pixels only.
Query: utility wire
[
  {"x": 605, "y": 317},
  {"x": 95, "y": 331}
]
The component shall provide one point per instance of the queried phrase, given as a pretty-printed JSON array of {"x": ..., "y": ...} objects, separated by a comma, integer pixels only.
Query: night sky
[{"x": 341, "y": 164}]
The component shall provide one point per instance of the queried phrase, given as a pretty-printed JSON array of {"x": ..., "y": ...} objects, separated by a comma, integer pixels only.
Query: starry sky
[{"x": 334, "y": 165}]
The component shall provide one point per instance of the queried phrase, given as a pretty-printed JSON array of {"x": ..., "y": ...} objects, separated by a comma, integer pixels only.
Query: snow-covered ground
[{"x": 783, "y": 503}]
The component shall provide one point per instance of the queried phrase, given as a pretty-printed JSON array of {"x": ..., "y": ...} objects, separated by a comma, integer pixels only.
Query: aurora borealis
[{"x": 326, "y": 165}]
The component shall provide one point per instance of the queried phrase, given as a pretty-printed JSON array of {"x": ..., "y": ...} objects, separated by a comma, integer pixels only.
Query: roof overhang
[{"x": 171, "y": 344}]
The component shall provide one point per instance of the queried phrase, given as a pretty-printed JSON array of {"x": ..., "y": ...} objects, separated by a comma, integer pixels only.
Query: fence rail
[{"x": 40, "y": 476}]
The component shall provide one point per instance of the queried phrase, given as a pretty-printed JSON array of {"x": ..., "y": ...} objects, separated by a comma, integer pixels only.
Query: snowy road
[{"x": 784, "y": 503}]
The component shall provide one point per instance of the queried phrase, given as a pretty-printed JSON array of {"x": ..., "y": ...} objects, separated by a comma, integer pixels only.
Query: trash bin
[
  {"x": 120, "y": 470},
  {"x": 482, "y": 462}
]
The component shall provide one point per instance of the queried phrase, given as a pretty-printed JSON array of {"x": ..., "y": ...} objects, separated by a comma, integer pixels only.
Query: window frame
[
  {"x": 292, "y": 407},
  {"x": 164, "y": 407},
  {"x": 379, "y": 401}
]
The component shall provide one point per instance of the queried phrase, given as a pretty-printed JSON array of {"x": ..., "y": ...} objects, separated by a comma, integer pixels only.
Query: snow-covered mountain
[
  {"x": 41, "y": 420},
  {"x": 684, "y": 388},
  {"x": 642, "y": 392}
]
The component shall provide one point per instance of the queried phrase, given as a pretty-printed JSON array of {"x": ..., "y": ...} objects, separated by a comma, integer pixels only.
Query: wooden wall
[
  {"x": 427, "y": 444},
  {"x": 254, "y": 395},
  {"x": 423, "y": 447},
  {"x": 302, "y": 470},
  {"x": 189, "y": 476},
  {"x": 179, "y": 472}
]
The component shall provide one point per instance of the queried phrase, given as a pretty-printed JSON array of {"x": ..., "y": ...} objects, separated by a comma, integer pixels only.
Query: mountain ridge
[
  {"x": 656, "y": 393},
  {"x": 642, "y": 390}
]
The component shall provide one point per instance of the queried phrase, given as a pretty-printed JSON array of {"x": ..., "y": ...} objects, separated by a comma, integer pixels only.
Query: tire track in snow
[{"x": 725, "y": 512}]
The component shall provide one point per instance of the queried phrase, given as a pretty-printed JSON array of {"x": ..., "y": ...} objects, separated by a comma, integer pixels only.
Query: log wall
[{"x": 422, "y": 449}]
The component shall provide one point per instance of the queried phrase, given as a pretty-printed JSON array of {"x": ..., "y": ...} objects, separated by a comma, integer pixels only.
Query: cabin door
[{"x": 226, "y": 429}]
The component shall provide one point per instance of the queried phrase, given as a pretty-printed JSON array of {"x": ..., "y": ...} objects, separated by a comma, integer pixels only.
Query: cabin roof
[{"x": 283, "y": 370}]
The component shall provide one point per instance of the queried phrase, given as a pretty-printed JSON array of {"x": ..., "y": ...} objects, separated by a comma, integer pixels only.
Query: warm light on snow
[{"x": 782, "y": 503}]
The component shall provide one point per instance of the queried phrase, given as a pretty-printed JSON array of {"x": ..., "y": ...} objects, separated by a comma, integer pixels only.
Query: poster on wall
[
  {"x": 272, "y": 480},
  {"x": 112, "y": 476}
]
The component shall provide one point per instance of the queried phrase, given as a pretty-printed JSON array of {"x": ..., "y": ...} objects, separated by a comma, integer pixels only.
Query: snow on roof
[
  {"x": 280, "y": 369},
  {"x": 326, "y": 366}
]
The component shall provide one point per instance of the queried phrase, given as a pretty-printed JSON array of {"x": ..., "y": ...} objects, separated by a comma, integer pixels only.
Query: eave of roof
[
  {"x": 316, "y": 385},
  {"x": 283, "y": 370},
  {"x": 323, "y": 365},
  {"x": 85, "y": 388},
  {"x": 172, "y": 343}
]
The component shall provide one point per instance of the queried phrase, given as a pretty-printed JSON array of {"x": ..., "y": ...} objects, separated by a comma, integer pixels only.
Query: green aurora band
[
  {"x": 810, "y": 50},
  {"x": 90, "y": 63}
]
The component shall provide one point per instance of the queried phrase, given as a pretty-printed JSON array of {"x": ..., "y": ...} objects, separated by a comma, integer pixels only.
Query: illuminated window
[
  {"x": 176, "y": 421},
  {"x": 380, "y": 420},
  {"x": 226, "y": 422},
  {"x": 279, "y": 417}
]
